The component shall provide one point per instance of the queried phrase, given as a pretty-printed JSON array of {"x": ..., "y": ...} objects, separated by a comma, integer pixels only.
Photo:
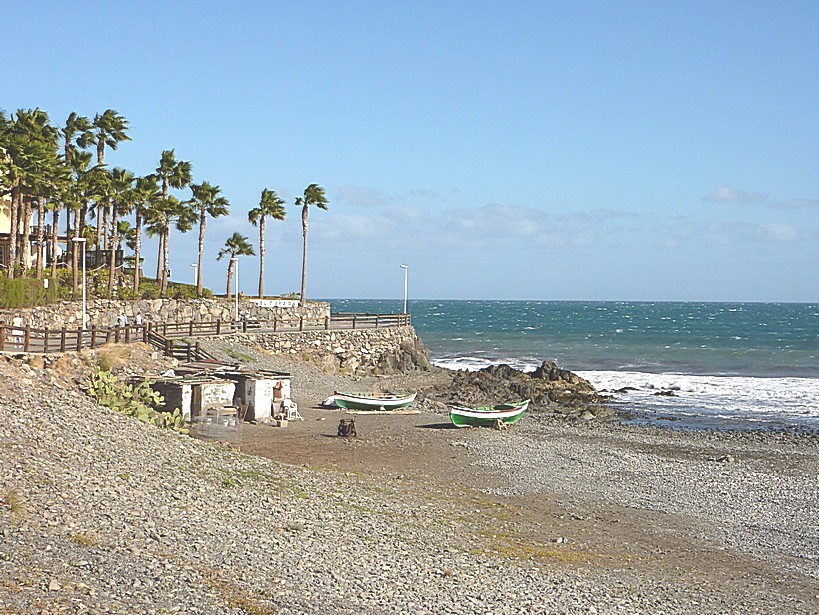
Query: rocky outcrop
[
  {"x": 552, "y": 390},
  {"x": 359, "y": 352}
]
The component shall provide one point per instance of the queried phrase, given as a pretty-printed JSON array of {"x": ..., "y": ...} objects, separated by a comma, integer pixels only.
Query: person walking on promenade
[{"x": 17, "y": 333}]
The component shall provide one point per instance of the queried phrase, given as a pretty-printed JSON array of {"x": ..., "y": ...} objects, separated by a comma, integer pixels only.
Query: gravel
[
  {"x": 104, "y": 514},
  {"x": 762, "y": 497}
]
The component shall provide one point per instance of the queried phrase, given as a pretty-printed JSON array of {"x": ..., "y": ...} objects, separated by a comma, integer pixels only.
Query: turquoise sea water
[{"x": 729, "y": 364}]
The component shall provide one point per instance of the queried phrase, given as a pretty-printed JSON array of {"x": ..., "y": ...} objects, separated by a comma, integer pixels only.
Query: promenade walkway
[{"x": 175, "y": 336}]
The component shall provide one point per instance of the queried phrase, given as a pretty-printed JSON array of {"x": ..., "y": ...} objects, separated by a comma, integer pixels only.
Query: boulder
[{"x": 552, "y": 390}]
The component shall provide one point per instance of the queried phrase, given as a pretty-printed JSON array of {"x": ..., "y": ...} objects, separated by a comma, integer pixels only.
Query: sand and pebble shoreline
[{"x": 105, "y": 514}]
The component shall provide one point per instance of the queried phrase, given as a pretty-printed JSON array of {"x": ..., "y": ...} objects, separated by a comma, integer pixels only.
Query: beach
[{"x": 411, "y": 515}]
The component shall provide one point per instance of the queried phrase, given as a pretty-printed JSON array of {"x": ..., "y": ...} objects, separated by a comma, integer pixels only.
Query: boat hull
[
  {"x": 487, "y": 416},
  {"x": 355, "y": 401}
]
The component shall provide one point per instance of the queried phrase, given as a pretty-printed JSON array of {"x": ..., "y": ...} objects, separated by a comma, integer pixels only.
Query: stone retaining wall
[
  {"x": 103, "y": 312},
  {"x": 350, "y": 352}
]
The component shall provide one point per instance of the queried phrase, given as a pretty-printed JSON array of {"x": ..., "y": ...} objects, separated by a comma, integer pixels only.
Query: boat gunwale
[{"x": 373, "y": 397}]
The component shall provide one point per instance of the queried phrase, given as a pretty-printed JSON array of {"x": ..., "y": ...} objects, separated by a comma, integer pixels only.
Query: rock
[{"x": 550, "y": 389}]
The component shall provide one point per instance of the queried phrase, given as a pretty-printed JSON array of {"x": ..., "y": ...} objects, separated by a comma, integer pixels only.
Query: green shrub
[
  {"x": 27, "y": 292},
  {"x": 137, "y": 400}
]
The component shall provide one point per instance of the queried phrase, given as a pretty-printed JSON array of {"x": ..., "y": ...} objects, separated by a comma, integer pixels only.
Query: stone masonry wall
[
  {"x": 103, "y": 312},
  {"x": 349, "y": 352}
]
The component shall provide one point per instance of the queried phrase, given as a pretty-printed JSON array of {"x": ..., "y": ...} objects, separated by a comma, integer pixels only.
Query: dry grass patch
[
  {"x": 86, "y": 539},
  {"x": 234, "y": 596},
  {"x": 17, "y": 503}
]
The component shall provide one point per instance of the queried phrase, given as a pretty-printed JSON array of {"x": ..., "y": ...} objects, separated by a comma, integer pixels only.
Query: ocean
[{"x": 726, "y": 365}]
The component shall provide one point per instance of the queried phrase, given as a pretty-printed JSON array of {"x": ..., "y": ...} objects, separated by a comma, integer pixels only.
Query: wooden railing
[{"x": 28, "y": 339}]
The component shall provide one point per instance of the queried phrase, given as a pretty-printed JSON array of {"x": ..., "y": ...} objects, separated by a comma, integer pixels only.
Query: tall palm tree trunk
[
  {"x": 166, "y": 264},
  {"x": 202, "y": 223},
  {"x": 82, "y": 221},
  {"x": 261, "y": 258},
  {"x": 15, "y": 229},
  {"x": 98, "y": 240},
  {"x": 137, "y": 250},
  {"x": 113, "y": 243},
  {"x": 159, "y": 257},
  {"x": 75, "y": 251},
  {"x": 25, "y": 243},
  {"x": 55, "y": 223},
  {"x": 229, "y": 277},
  {"x": 40, "y": 236},
  {"x": 106, "y": 214},
  {"x": 303, "y": 253}
]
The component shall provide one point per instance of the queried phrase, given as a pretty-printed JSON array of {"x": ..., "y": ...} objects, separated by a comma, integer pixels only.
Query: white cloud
[
  {"x": 495, "y": 222},
  {"x": 378, "y": 230},
  {"x": 684, "y": 232},
  {"x": 778, "y": 232},
  {"x": 363, "y": 196},
  {"x": 724, "y": 194},
  {"x": 796, "y": 204}
]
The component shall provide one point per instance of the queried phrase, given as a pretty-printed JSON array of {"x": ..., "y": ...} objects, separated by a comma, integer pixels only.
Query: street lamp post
[
  {"x": 406, "y": 271},
  {"x": 81, "y": 240},
  {"x": 195, "y": 276},
  {"x": 235, "y": 262}
]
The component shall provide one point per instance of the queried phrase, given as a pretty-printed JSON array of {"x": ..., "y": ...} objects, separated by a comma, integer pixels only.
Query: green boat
[
  {"x": 487, "y": 416},
  {"x": 370, "y": 401}
]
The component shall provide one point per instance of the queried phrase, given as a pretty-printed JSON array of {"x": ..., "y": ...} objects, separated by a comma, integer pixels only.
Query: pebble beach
[{"x": 103, "y": 514}]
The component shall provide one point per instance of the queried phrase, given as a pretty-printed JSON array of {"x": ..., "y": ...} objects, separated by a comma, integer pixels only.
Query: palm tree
[
  {"x": 236, "y": 245},
  {"x": 58, "y": 190},
  {"x": 172, "y": 174},
  {"x": 79, "y": 193},
  {"x": 146, "y": 194},
  {"x": 99, "y": 190},
  {"x": 31, "y": 168},
  {"x": 271, "y": 206},
  {"x": 206, "y": 202},
  {"x": 159, "y": 217},
  {"x": 109, "y": 129},
  {"x": 122, "y": 200},
  {"x": 77, "y": 129},
  {"x": 313, "y": 195}
]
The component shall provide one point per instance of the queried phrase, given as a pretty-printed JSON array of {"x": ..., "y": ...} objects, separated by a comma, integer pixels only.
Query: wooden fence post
[
  {"x": 45, "y": 339},
  {"x": 79, "y": 338},
  {"x": 218, "y": 326},
  {"x": 93, "y": 335},
  {"x": 27, "y": 339},
  {"x": 2, "y": 336}
]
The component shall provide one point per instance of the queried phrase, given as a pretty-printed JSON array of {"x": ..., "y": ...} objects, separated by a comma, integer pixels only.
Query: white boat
[{"x": 370, "y": 401}]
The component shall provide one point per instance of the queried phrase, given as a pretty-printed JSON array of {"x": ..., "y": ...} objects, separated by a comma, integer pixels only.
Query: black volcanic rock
[{"x": 552, "y": 390}]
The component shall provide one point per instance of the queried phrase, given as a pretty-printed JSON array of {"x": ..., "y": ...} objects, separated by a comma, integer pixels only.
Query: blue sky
[{"x": 525, "y": 150}]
